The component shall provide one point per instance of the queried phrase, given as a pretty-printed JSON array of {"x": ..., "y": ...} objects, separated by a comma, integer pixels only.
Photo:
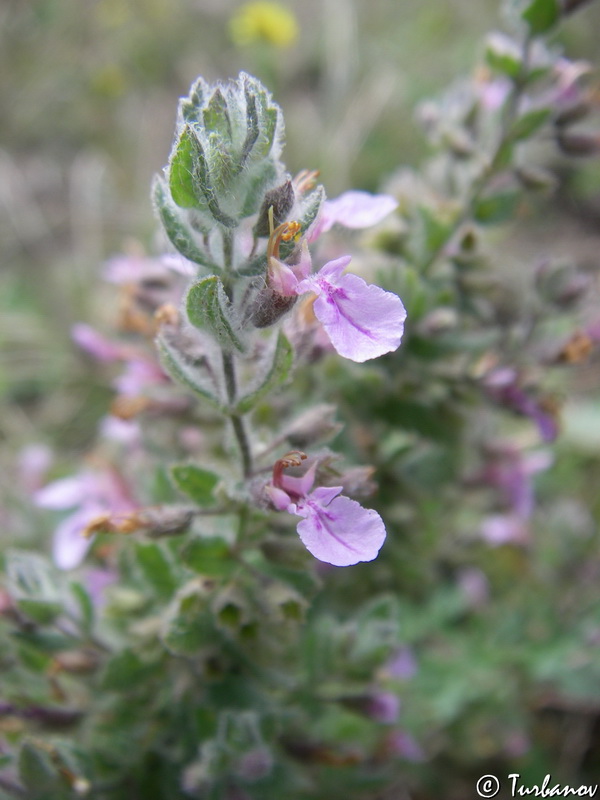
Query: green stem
[{"x": 237, "y": 420}]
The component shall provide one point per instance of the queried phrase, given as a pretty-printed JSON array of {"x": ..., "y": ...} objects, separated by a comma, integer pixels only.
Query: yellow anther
[
  {"x": 282, "y": 233},
  {"x": 291, "y": 231}
]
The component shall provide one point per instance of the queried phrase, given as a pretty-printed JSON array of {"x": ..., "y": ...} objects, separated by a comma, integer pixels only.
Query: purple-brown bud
[
  {"x": 578, "y": 144},
  {"x": 269, "y": 306},
  {"x": 280, "y": 199},
  {"x": 570, "y": 6}
]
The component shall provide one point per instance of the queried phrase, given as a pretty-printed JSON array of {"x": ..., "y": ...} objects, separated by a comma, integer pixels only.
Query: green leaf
[
  {"x": 216, "y": 115},
  {"x": 262, "y": 121},
  {"x": 190, "y": 108},
  {"x": 177, "y": 229},
  {"x": 189, "y": 628},
  {"x": 190, "y": 180},
  {"x": 210, "y": 556},
  {"x": 435, "y": 229},
  {"x": 196, "y": 482},
  {"x": 185, "y": 372},
  {"x": 503, "y": 55},
  {"x": 529, "y": 123},
  {"x": 209, "y": 309},
  {"x": 496, "y": 208},
  {"x": 86, "y": 606},
  {"x": 252, "y": 127},
  {"x": 37, "y": 771},
  {"x": 33, "y": 584},
  {"x": 541, "y": 15},
  {"x": 124, "y": 671},
  {"x": 278, "y": 372},
  {"x": 33, "y": 658},
  {"x": 156, "y": 568},
  {"x": 181, "y": 170}
]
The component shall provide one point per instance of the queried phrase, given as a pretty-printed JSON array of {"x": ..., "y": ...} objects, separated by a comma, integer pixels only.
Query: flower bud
[
  {"x": 561, "y": 284},
  {"x": 536, "y": 179},
  {"x": 76, "y": 662},
  {"x": 570, "y": 6},
  {"x": 268, "y": 307},
  {"x": 281, "y": 200},
  {"x": 315, "y": 425},
  {"x": 572, "y": 114},
  {"x": 382, "y": 707},
  {"x": 162, "y": 521},
  {"x": 438, "y": 321},
  {"x": 578, "y": 144},
  {"x": 255, "y": 764}
]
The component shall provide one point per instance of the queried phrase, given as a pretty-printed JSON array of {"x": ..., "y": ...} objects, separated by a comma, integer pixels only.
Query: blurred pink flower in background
[{"x": 90, "y": 494}]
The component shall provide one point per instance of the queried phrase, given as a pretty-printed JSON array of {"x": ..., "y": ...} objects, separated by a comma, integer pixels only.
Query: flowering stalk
[{"x": 226, "y": 180}]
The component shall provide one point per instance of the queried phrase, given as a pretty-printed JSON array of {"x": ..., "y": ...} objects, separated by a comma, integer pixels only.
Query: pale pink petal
[
  {"x": 112, "y": 491},
  {"x": 97, "y": 581},
  {"x": 281, "y": 278},
  {"x": 125, "y": 431},
  {"x": 132, "y": 269},
  {"x": 498, "y": 529},
  {"x": 69, "y": 546},
  {"x": 179, "y": 264},
  {"x": 139, "y": 373},
  {"x": 353, "y": 209},
  {"x": 383, "y": 707},
  {"x": 33, "y": 463},
  {"x": 342, "y": 533},
  {"x": 325, "y": 494},
  {"x": 278, "y": 497},
  {"x": 300, "y": 486},
  {"x": 402, "y": 664},
  {"x": 362, "y": 320},
  {"x": 97, "y": 345},
  {"x": 64, "y": 493}
]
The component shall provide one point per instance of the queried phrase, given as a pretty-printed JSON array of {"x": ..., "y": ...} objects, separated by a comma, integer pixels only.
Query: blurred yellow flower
[{"x": 263, "y": 21}]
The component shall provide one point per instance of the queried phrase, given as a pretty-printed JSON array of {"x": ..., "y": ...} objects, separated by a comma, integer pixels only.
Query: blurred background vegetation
[{"x": 87, "y": 100}]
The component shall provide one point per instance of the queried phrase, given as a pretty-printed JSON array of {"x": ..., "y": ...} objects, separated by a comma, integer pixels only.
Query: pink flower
[
  {"x": 335, "y": 529},
  {"x": 510, "y": 471},
  {"x": 33, "y": 463},
  {"x": 382, "y": 707},
  {"x": 354, "y": 210},
  {"x": 402, "y": 744},
  {"x": 361, "y": 320},
  {"x": 135, "y": 268},
  {"x": 402, "y": 665},
  {"x": 91, "y": 494},
  {"x": 140, "y": 370},
  {"x": 504, "y": 386},
  {"x": 97, "y": 345}
]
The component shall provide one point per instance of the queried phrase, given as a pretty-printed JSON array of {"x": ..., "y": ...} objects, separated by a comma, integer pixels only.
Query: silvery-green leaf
[
  {"x": 177, "y": 228},
  {"x": 278, "y": 371},
  {"x": 209, "y": 309},
  {"x": 186, "y": 372}
]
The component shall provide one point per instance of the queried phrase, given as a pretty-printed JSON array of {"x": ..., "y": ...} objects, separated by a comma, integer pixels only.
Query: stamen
[
  {"x": 292, "y": 459},
  {"x": 306, "y": 180},
  {"x": 112, "y": 523},
  {"x": 282, "y": 233}
]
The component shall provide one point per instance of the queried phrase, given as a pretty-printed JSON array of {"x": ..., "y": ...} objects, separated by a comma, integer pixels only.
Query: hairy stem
[{"x": 237, "y": 421}]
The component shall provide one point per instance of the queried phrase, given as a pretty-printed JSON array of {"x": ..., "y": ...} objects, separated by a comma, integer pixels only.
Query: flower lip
[{"x": 334, "y": 528}]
